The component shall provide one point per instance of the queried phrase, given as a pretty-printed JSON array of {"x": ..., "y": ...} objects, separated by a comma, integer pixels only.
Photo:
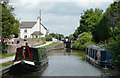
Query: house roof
[
  {"x": 44, "y": 26},
  {"x": 37, "y": 33},
  {"x": 27, "y": 24}
]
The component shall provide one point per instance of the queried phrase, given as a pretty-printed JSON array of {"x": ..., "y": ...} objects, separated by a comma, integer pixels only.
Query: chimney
[
  {"x": 20, "y": 20},
  {"x": 38, "y": 19}
]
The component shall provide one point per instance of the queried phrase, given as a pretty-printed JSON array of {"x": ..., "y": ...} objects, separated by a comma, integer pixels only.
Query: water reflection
[
  {"x": 67, "y": 51},
  {"x": 66, "y": 62}
]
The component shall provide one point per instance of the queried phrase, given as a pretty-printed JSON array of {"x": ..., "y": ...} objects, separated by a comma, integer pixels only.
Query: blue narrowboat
[
  {"x": 29, "y": 59},
  {"x": 98, "y": 55}
]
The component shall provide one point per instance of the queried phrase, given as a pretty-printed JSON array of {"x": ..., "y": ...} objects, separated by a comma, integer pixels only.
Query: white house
[{"x": 32, "y": 29}]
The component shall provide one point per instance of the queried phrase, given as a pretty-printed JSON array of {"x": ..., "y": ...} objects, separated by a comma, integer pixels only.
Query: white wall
[
  {"x": 43, "y": 30},
  {"x": 31, "y": 30}
]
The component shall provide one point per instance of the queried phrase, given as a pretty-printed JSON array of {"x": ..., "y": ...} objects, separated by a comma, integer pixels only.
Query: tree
[
  {"x": 108, "y": 24},
  {"x": 57, "y": 36},
  {"x": 71, "y": 36},
  {"x": 9, "y": 23},
  {"x": 88, "y": 21}
]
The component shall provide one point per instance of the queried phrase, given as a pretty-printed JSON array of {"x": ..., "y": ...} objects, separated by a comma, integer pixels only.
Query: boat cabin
[
  {"x": 31, "y": 54},
  {"x": 98, "y": 55}
]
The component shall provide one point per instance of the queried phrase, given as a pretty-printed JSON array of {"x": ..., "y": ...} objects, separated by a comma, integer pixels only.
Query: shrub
[
  {"x": 4, "y": 48},
  {"x": 84, "y": 40},
  {"x": 38, "y": 40},
  {"x": 48, "y": 38},
  {"x": 43, "y": 39},
  {"x": 114, "y": 46}
]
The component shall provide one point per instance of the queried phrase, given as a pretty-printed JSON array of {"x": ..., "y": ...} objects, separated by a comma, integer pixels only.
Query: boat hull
[{"x": 23, "y": 67}]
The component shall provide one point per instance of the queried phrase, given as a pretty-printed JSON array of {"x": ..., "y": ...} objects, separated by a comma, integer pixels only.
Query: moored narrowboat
[
  {"x": 97, "y": 55},
  {"x": 29, "y": 59}
]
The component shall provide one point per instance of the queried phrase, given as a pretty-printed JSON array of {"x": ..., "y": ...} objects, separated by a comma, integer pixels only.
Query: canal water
[{"x": 67, "y": 63}]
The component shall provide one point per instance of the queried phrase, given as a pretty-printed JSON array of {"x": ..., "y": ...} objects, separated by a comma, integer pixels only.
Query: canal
[{"x": 67, "y": 63}]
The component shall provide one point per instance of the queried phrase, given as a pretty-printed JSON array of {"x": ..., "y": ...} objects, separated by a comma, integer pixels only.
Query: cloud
[{"x": 61, "y": 16}]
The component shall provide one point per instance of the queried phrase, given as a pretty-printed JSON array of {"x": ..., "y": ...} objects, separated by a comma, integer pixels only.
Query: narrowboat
[
  {"x": 29, "y": 59},
  {"x": 98, "y": 56}
]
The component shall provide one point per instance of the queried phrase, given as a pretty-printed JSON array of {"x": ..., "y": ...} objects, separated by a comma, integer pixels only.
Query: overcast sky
[{"x": 59, "y": 16}]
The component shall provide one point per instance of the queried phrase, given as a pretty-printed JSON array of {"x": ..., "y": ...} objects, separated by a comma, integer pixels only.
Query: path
[
  {"x": 6, "y": 59},
  {"x": 47, "y": 43}
]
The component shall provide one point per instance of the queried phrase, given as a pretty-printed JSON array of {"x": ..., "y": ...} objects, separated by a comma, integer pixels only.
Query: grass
[
  {"x": 6, "y": 55},
  {"x": 39, "y": 44},
  {"x": 5, "y": 64},
  {"x": 52, "y": 44}
]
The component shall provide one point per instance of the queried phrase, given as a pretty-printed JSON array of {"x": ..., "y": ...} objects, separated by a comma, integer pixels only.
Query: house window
[
  {"x": 25, "y": 36},
  {"x": 25, "y": 31}
]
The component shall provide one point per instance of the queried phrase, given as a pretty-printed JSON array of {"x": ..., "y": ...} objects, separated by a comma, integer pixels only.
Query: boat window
[
  {"x": 33, "y": 52},
  {"x": 95, "y": 54}
]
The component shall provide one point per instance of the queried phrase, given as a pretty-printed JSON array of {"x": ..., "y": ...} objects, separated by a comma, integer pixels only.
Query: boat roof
[{"x": 96, "y": 47}]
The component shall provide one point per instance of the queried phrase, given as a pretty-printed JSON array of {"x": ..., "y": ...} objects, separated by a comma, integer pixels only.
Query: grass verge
[
  {"x": 39, "y": 44},
  {"x": 6, "y": 55},
  {"x": 52, "y": 44},
  {"x": 5, "y": 64}
]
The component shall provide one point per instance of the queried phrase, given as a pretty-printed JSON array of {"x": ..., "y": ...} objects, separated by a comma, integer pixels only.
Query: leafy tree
[
  {"x": 114, "y": 46},
  {"x": 48, "y": 38},
  {"x": 84, "y": 40},
  {"x": 102, "y": 30},
  {"x": 71, "y": 36},
  {"x": 9, "y": 23},
  {"x": 114, "y": 41},
  {"x": 88, "y": 21},
  {"x": 108, "y": 24},
  {"x": 57, "y": 36}
]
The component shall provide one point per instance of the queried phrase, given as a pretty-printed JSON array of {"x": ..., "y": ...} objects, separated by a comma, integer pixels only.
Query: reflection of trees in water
[{"x": 67, "y": 51}]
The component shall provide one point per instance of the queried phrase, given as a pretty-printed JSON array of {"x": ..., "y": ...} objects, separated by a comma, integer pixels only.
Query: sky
[{"x": 59, "y": 16}]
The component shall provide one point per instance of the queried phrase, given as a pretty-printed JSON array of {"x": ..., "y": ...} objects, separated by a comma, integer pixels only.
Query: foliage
[
  {"x": 102, "y": 30},
  {"x": 84, "y": 40},
  {"x": 9, "y": 23},
  {"x": 57, "y": 36},
  {"x": 4, "y": 48},
  {"x": 88, "y": 21},
  {"x": 114, "y": 45},
  {"x": 38, "y": 40},
  {"x": 48, "y": 38},
  {"x": 43, "y": 39},
  {"x": 71, "y": 36},
  {"x": 105, "y": 28},
  {"x": 108, "y": 24}
]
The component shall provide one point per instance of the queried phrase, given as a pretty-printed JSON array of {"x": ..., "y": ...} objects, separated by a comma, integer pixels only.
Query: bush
[
  {"x": 43, "y": 39},
  {"x": 4, "y": 48},
  {"x": 114, "y": 46},
  {"x": 85, "y": 39},
  {"x": 48, "y": 38},
  {"x": 38, "y": 40}
]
